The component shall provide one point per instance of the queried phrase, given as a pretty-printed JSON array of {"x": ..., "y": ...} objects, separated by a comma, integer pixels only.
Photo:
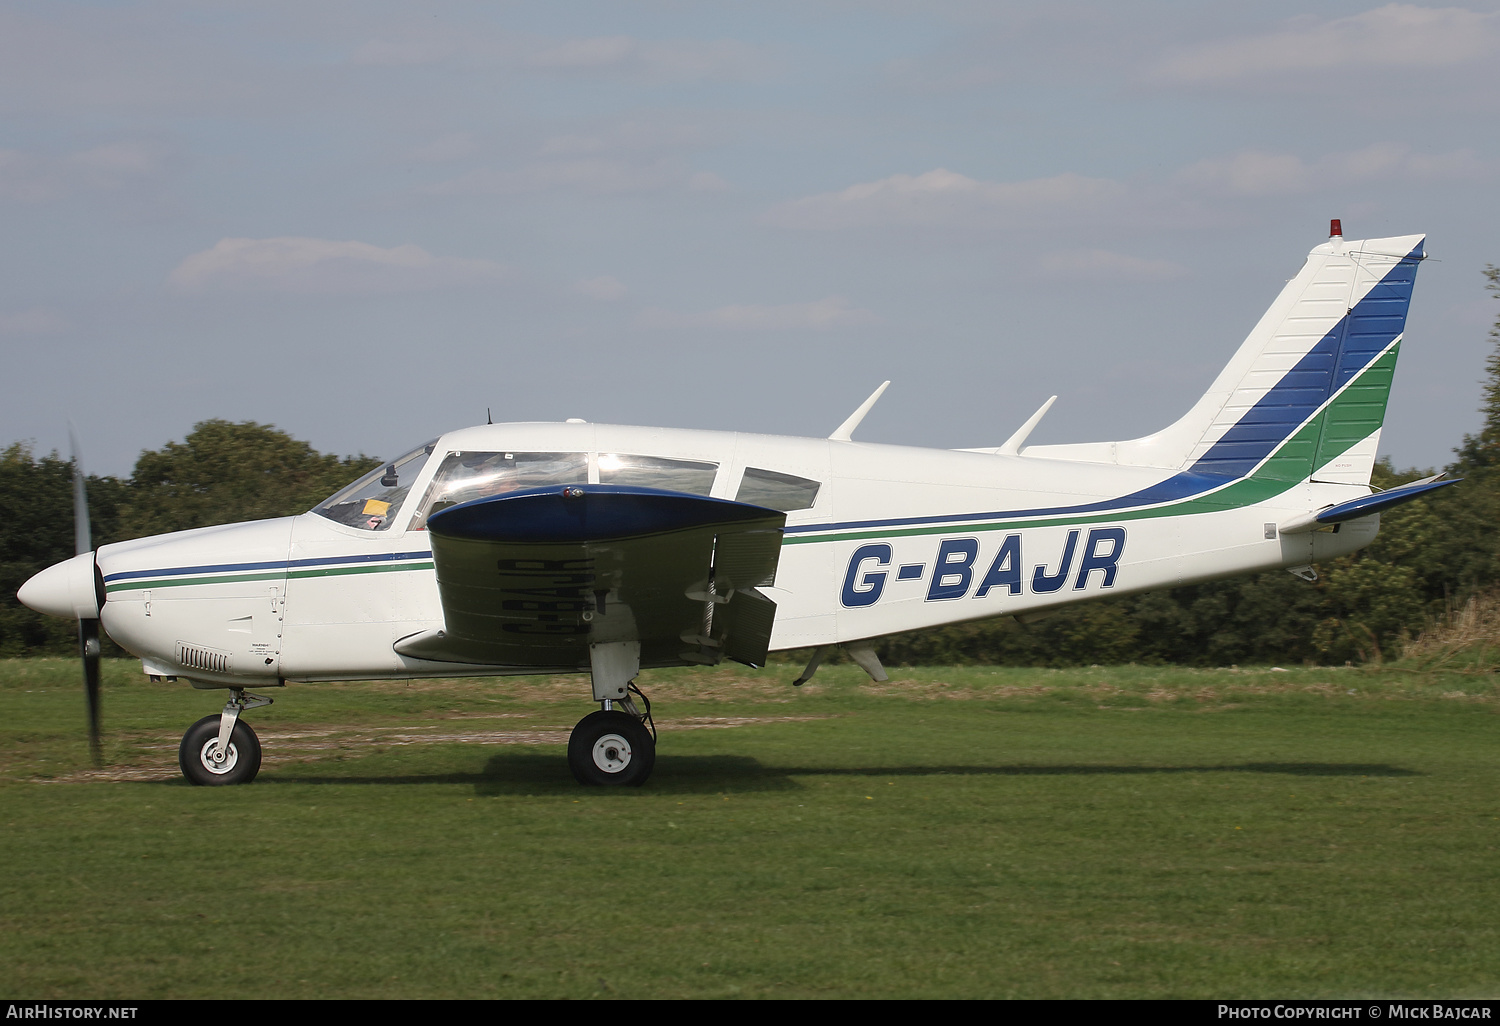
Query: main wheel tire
[
  {"x": 611, "y": 748},
  {"x": 196, "y": 754}
]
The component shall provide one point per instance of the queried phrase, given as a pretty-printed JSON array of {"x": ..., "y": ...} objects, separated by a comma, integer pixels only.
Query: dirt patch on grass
[
  {"x": 157, "y": 760},
  {"x": 718, "y": 722}
]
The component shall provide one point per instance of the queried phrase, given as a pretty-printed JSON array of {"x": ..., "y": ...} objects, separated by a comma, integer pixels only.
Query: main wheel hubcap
[
  {"x": 215, "y": 766},
  {"x": 611, "y": 753}
]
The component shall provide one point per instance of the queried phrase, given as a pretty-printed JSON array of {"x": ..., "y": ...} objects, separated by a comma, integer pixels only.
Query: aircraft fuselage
[{"x": 897, "y": 538}]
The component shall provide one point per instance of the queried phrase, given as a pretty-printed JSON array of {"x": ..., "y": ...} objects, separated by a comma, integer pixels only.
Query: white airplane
[{"x": 576, "y": 547}]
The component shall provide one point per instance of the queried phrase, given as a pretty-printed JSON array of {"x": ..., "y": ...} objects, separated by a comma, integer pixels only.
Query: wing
[{"x": 533, "y": 578}]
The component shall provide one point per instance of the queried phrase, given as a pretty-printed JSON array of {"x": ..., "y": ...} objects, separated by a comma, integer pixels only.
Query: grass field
[{"x": 1110, "y": 832}]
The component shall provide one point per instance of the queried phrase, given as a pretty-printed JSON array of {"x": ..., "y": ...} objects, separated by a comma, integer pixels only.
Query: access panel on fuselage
[
  {"x": 203, "y": 604},
  {"x": 350, "y": 594}
]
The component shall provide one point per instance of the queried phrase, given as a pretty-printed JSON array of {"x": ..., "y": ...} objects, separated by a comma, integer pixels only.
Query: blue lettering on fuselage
[
  {"x": 1093, "y": 560},
  {"x": 1006, "y": 569},
  {"x": 863, "y": 587},
  {"x": 955, "y": 568},
  {"x": 1043, "y": 582}
]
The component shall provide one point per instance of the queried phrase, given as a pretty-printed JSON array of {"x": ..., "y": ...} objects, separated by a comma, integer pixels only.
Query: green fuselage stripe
[{"x": 331, "y": 571}]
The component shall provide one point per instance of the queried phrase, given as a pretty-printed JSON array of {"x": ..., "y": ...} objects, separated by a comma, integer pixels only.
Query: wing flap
[{"x": 746, "y": 624}]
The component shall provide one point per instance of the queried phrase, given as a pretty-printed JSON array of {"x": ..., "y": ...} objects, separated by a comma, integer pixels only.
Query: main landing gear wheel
[
  {"x": 611, "y": 748},
  {"x": 198, "y": 754}
]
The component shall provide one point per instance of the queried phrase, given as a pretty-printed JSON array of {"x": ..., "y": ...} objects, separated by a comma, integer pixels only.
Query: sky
[{"x": 368, "y": 223}]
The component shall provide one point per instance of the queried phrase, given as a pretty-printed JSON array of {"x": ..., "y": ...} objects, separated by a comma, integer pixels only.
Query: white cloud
[
  {"x": 604, "y": 289},
  {"x": 1105, "y": 265},
  {"x": 604, "y": 175},
  {"x": 675, "y": 59},
  {"x": 631, "y": 156},
  {"x": 118, "y": 158},
  {"x": 1390, "y": 37},
  {"x": 445, "y": 149},
  {"x": 323, "y": 266},
  {"x": 23, "y": 177},
  {"x": 820, "y": 315},
  {"x": 707, "y": 181},
  {"x": 598, "y": 52},
  {"x": 664, "y": 60},
  {"x": 138, "y": 56},
  {"x": 404, "y": 52},
  {"x": 578, "y": 145},
  {"x": 37, "y": 178},
  {"x": 36, "y": 321},
  {"x": 1250, "y": 173},
  {"x": 945, "y": 198},
  {"x": 625, "y": 137},
  {"x": 1257, "y": 173}
]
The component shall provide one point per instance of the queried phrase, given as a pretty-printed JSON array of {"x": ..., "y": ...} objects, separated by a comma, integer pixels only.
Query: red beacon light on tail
[{"x": 1336, "y": 229}]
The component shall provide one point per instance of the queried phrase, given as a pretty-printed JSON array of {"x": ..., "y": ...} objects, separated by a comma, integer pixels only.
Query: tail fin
[{"x": 1305, "y": 395}]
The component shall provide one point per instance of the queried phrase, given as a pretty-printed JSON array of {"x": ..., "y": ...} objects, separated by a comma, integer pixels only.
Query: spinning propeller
[{"x": 88, "y": 625}]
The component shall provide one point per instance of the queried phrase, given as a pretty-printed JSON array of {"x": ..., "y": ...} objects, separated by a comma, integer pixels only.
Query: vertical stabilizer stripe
[{"x": 1360, "y": 336}]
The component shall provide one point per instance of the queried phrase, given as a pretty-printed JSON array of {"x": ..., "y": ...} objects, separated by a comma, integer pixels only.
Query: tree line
[
  {"x": 1430, "y": 555},
  {"x": 221, "y": 473}
]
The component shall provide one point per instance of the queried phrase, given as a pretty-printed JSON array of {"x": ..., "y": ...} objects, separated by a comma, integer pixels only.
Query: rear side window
[
  {"x": 657, "y": 472},
  {"x": 777, "y": 491},
  {"x": 478, "y": 475}
]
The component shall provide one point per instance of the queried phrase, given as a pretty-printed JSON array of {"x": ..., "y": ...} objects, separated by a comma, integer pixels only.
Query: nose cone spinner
[{"x": 66, "y": 589}]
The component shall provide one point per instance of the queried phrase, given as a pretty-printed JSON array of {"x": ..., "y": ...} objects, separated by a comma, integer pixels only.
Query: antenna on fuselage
[
  {"x": 488, "y": 417},
  {"x": 1012, "y": 446},
  {"x": 846, "y": 429}
]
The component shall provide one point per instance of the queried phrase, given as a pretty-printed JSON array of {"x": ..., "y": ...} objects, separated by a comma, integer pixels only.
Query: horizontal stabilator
[{"x": 1364, "y": 506}]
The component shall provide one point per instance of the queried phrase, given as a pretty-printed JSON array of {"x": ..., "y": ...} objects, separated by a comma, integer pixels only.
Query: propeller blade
[
  {"x": 88, "y": 647},
  {"x": 88, "y": 627},
  {"x": 81, "y": 536}
]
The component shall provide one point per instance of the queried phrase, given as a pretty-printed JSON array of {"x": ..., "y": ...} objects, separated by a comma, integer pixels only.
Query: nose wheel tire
[
  {"x": 198, "y": 755},
  {"x": 611, "y": 748}
]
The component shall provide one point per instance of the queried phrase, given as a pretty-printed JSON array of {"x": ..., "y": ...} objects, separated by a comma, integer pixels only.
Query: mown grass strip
[{"x": 982, "y": 832}]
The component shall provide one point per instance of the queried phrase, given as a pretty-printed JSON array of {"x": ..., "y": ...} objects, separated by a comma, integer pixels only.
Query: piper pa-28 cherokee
[{"x": 556, "y": 548}]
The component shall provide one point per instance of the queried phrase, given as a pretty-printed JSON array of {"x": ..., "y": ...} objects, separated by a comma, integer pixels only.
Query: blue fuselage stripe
[{"x": 276, "y": 564}]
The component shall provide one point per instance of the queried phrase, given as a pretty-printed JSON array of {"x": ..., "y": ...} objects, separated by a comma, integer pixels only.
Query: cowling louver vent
[{"x": 196, "y": 657}]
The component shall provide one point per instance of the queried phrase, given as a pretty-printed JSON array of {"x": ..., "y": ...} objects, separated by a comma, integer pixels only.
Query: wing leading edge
[{"x": 534, "y": 578}]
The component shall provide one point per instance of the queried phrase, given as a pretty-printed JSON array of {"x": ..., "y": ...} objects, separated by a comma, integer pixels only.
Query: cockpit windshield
[
  {"x": 372, "y": 502},
  {"x": 477, "y": 475}
]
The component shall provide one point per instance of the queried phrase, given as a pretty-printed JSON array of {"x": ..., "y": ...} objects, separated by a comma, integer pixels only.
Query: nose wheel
[
  {"x": 611, "y": 748},
  {"x": 222, "y": 749},
  {"x": 203, "y": 762}
]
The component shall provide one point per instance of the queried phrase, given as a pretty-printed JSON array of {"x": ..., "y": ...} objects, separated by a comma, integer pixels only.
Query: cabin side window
[
  {"x": 372, "y": 502},
  {"x": 777, "y": 491},
  {"x": 464, "y": 476},
  {"x": 657, "y": 472}
]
